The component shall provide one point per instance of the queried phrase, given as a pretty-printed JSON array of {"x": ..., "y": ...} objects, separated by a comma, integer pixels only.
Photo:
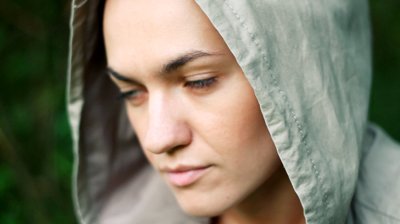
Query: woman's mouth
[{"x": 184, "y": 176}]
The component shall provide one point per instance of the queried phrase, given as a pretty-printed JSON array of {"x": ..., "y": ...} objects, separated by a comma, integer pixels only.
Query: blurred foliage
[
  {"x": 385, "y": 96},
  {"x": 35, "y": 144}
]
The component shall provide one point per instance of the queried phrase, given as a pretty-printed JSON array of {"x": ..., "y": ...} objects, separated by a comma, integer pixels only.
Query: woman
[{"x": 247, "y": 111}]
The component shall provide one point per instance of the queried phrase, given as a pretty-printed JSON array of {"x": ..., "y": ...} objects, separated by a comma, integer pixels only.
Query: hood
[{"x": 310, "y": 67}]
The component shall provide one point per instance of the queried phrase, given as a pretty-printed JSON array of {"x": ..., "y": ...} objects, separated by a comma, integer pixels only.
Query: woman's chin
[{"x": 202, "y": 208}]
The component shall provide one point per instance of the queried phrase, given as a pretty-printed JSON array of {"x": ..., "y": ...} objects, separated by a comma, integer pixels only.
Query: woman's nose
[{"x": 167, "y": 129}]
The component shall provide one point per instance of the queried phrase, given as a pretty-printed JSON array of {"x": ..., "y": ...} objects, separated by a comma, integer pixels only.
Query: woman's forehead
[
  {"x": 146, "y": 18},
  {"x": 146, "y": 35}
]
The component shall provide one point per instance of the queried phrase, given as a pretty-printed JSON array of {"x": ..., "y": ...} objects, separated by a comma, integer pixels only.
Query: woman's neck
[{"x": 273, "y": 202}]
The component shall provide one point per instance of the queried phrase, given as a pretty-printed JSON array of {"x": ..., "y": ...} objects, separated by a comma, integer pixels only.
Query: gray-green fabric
[{"x": 309, "y": 63}]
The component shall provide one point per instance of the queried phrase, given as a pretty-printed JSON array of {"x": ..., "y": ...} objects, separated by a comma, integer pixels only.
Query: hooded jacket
[{"x": 309, "y": 63}]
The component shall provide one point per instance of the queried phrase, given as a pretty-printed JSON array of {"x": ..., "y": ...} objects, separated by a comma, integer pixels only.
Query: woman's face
[{"x": 194, "y": 112}]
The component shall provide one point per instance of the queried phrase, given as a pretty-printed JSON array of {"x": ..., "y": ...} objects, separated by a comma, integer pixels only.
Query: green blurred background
[{"x": 35, "y": 144}]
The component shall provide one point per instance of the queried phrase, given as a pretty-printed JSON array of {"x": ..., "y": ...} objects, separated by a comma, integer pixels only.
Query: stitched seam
[{"x": 275, "y": 82}]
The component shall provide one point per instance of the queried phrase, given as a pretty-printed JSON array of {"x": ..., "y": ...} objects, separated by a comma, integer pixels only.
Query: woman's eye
[
  {"x": 131, "y": 94},
  {"x": 201, "y": 83}
]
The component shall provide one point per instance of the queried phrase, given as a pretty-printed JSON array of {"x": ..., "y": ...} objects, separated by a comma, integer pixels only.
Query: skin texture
[{"x": 201, "y": 112}]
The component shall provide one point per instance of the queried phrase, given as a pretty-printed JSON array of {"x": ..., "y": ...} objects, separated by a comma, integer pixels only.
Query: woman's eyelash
[
  {"x": 202, "y": 83},
  {"x": 195, "y": 84},
  {"x": 127, "y": 94}
]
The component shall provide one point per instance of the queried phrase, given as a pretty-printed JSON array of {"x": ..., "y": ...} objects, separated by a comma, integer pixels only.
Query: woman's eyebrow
[
  {"x": 171, "y": 66},
  {"x": 182, "y": 60},
  {"x": 120, "y": 77}
]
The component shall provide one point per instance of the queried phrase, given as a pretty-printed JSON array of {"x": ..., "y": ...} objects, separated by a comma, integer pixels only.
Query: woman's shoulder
[{"x": 377, "y": 195}]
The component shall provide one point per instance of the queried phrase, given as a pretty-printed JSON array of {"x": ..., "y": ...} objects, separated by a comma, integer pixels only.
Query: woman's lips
[{"x": 185, "y": 176}]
